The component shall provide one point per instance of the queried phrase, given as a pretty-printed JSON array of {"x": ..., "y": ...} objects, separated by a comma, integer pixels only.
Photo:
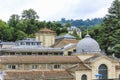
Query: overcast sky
[{"x": 51, "y": 10}]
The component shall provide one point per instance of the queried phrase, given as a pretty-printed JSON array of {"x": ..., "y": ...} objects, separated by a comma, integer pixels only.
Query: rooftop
[
  {"x": 39, "y": 59},
  {"x": 31, "y": 49},
  {"x": 66, "y": 36},
  {"x": 88, "y": 45},
  {"x": 35, "y": 75},
  {"x": 64, "y": 42},
  {"x": 46, "y": 30},
  {"x": 28, "y": 40}
]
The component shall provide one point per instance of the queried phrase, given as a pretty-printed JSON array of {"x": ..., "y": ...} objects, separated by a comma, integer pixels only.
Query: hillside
[{"x": 81, "y": 22}]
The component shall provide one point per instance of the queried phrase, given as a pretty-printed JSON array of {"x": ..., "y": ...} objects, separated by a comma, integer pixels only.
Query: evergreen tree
[{"x": 111, "y": 29}]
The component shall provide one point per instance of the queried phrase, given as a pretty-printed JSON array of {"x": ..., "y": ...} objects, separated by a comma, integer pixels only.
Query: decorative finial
[{"x": 87, "y": 35}]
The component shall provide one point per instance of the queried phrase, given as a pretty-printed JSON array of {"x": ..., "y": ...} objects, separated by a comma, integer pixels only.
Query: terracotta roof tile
[
  {"x": 79, "y": 67},
  {"x": 92, "y": 58},
  {"x": 39, "y": 59},
  {"x": 37, "y": 75},
  {"x": 46, "y": 30},
  {"x": 98, "y": 56}
]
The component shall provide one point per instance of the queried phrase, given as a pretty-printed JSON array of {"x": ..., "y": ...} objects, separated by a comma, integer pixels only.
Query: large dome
[{"x": 88, "y": 45}]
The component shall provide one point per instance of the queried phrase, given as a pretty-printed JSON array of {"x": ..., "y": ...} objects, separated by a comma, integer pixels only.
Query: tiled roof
[
  {"x": 63, "y": 42},
  {"x": 28, "y": 40},
  {"x": 79, "y": 67},
  {"x": 8, "y": 43},
  {"x": 46, "y": 30},
  {"x": 66, "y": 36},
  {"x": 92, "y": 58},
  {"x": 38, "y": 75},
  {"x": 39, "y": 59},
  {"x": 84, "y": 67},
  {"x": 95, "y": 57},
  {"x": 31, "y": 49}
]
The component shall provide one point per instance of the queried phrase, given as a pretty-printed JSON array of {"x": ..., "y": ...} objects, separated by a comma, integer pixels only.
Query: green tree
[
  {"x": 30, "y": 18},
  {"x": 29, "y": 14},
  {"x": 58, "y": 31},
  {"x": 20, "y": 35},
  {"x": 41, "y": 24},
  {"x": 14, "y": 19},
  {"x": 7, "y": 34},
  {"x": 68, "y": 24},
  {"x": 108, "y": 35},
  {"x": 5, "y": 31}
]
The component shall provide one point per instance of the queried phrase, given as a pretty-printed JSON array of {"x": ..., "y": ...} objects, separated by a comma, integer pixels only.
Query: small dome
[{"x": 88, "y": 45}]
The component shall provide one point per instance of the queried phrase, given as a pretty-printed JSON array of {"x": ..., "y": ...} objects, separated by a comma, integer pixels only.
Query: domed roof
[{"x": 88, "y": 45}]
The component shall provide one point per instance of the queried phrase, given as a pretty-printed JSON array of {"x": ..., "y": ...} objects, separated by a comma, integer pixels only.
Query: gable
[
  {"x": 102, "y": 60},
  {"x": 100, "y": 57}
]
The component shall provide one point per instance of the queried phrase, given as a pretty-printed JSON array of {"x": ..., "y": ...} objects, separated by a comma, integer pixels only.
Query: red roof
[
  {"x": 39, "y": 59},
  {"x": 46, "y": 30},
  {"x": 38, "y": 75}
]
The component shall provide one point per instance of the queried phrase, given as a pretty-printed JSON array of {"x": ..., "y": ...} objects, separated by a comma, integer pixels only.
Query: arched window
[
  {"x": 84, "y": 77},
  {"x": 103, "y": 70}
]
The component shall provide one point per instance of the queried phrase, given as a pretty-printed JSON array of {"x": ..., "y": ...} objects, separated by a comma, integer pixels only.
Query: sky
[{"x": 53, "y": 10}]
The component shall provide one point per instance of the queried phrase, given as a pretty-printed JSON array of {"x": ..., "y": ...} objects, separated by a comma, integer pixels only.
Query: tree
[
  {"x": 20, "y": 35},
  {"x": 68, "y": 24},
  {"x": 5, "y": 31},
  {"x": 14, "y": 19},
  {"x": 7, "y": 34},
  {"x": 109, "y": 34},
  {"x": 30, "y": 17},
  {"x": 29, "y": 14}
]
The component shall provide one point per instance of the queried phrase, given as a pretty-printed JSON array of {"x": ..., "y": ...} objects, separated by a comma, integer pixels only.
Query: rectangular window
[
  {"x": 74, "y": 50},
  {"x": 22, "y": 43},
  {"x": 34, "y": 66},
  {"x": 69, "y": 53},
  {"x": 38, "y": 43},
  {"x": 32, "y": 43},
  {"x": 57, "y": 66},
  {"x": 27, "y": 43},
  {"x": 29, "y": 53},
  {"x": 12, "y": 53},
  {"x": 11, "y": 67}
]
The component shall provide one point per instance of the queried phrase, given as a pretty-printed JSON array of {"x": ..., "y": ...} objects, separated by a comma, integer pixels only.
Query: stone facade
[
  {"x": 94, "y": 62},
  {"x": 46, "y": 36}
]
